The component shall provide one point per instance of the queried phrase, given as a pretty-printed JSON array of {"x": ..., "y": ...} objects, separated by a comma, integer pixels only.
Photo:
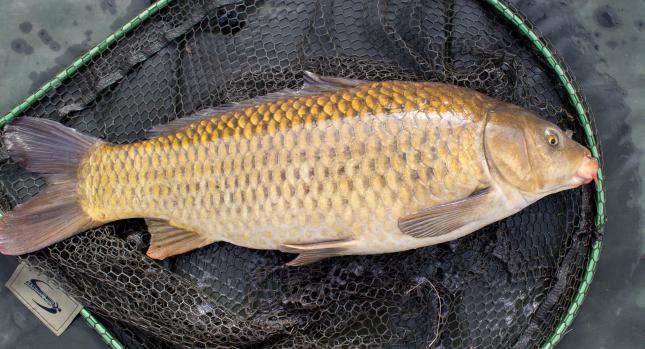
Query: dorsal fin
[
  {"x": 313, "y": 84},
  {"x": 178, "y": 124}
]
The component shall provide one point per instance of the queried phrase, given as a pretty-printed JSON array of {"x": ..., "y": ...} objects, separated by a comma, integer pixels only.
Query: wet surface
[
  {"x": 25, "y": 27},
  {"x": 607, "y": 17},
  {"x": 602, "y": 42},
  {"x": 21, "y": 46}
]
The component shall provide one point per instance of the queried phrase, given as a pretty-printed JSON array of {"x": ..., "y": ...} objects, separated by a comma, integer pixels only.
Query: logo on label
[
  {"x": 35, "y": 285},
  {"x": 52, "y": 306}
]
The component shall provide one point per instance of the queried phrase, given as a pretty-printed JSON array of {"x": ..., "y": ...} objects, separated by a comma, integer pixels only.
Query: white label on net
[{"x": 51, "y": 305}]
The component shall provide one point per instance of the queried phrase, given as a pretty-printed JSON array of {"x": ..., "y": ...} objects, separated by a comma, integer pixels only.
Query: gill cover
[{"x": 506, "y": 148}]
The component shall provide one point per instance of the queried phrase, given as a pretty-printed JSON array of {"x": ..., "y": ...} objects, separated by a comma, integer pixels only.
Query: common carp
[{"x": 339, "y": 167}]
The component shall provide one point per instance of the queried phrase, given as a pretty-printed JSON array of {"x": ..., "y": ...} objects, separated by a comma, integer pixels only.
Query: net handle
[{"x": 576, "y": 100}]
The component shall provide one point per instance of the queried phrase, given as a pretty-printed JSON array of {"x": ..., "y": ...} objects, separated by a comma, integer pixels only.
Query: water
[{"x": 603, "y": 43}]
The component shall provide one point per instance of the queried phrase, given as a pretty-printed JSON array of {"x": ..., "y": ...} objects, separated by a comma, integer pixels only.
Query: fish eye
[{"x": 552, "y": 138}]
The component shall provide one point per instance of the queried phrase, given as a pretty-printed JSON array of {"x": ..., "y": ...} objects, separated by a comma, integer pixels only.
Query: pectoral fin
[
  {"x": 313, "y": 252},
  {"x": 443, "y": 219},
  {"x": 167, "y": 240}
]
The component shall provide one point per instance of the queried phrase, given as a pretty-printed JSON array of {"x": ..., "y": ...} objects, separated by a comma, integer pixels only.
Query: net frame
[{"x": 502, "y": 7}]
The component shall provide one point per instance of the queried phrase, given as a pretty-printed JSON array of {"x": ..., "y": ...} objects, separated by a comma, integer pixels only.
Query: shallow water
[{"x": 602, "y": 44}]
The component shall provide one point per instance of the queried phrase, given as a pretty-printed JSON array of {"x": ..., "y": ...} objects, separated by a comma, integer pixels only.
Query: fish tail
[{"x": 54, "y": 151}]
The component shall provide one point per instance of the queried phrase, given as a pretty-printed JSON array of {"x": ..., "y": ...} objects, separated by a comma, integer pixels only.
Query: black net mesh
[{"x": 506, "y": 286}]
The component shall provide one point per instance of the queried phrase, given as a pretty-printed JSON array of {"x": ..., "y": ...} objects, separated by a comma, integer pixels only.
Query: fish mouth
[
  {"x": 587, "y": 172},
  {"x": 581, "y": 179}
]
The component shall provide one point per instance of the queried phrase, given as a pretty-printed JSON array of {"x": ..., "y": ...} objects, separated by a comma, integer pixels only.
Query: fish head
[{"x": 534, "y": 155}]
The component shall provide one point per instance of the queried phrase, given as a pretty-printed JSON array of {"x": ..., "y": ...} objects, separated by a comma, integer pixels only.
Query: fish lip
[
  {"x": 576, "y": 181},
  {"x": 583, "y": 176},
  {"x": 581, "y": 179}
]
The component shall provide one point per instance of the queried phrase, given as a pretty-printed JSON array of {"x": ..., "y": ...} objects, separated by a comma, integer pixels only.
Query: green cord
[
  {"x": 576, "y": 101},
  {"x": 105, "y": 334}
]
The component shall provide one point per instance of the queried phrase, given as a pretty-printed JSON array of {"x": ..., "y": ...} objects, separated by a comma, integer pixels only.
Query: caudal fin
[{"x": 54, "y": 151}]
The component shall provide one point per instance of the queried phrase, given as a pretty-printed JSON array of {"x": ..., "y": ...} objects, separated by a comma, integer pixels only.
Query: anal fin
[
  {"x": 313, "y": 252},
  {"x": 167, "y": 240}
]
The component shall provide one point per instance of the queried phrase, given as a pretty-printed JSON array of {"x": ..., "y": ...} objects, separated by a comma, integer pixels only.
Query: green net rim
[{"x": 520, "y": 23}]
